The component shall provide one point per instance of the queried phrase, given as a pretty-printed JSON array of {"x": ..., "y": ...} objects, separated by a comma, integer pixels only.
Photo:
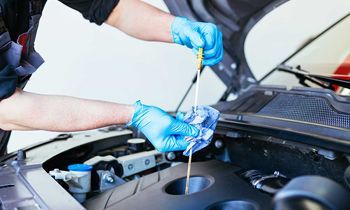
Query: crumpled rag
[{"x": 205, "y": 119}]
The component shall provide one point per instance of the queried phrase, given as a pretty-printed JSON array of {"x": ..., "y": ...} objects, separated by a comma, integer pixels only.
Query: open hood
[{"x": 262, "y": 34}]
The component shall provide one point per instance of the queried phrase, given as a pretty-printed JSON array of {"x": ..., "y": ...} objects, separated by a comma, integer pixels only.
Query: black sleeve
[
  {"x": 8, "y": 82},
  {"x": 96, "y": 11}
]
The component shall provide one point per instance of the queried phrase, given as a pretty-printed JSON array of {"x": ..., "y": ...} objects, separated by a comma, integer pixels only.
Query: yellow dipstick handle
[
  {"x": 199, "y": 68},
  {"x": 200, "y": 58}
]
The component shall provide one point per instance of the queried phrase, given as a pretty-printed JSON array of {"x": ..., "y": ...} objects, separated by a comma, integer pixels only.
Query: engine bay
[{"x": 226, "y": 175}]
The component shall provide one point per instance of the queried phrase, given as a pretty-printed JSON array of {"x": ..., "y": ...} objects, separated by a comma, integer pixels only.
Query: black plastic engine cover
[{"x": 214, "y": 182}]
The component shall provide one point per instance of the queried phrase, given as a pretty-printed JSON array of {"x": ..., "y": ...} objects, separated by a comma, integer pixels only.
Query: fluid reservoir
[
  {"x": 83, "y": 171},
  {"x": 78, "y": 179}
]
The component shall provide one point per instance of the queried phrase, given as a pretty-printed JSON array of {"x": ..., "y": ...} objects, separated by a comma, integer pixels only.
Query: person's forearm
[
  {"x": 141, "y": 20},
  {"x": 29, "y": 111}
]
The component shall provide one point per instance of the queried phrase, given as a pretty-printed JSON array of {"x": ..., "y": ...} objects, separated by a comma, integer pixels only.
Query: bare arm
[
  {"x": 29, "y": 111},
  {"x": 141, "y": 20}
]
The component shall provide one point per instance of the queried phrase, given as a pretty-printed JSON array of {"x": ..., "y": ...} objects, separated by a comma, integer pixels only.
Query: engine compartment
[{"x": 247, "y": 170}]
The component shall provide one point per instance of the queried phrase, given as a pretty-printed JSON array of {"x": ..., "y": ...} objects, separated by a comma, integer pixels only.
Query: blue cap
[{"x": 79, "y": 167}]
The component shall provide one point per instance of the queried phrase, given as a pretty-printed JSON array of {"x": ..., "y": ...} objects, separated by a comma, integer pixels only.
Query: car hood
[{"x": 260, "y": 34}]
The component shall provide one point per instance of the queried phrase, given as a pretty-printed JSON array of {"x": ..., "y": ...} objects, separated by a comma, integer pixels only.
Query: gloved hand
[
  {"x": 165, "y": 132},
  {"x": 197, "y": 35}
]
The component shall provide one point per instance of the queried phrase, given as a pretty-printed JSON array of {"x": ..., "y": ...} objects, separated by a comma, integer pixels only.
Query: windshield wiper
[{"x": 325, "y": 81}]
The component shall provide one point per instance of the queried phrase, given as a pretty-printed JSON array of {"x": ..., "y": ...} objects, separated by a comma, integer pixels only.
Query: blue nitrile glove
[
  {"x": 164, "y": 131},
  {"x": 197, "y": 35}
]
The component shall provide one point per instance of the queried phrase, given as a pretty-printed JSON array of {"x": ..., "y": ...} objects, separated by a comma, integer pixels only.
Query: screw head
[
  {"x": 108, "y": 178},
  {"x": 171, "y": 155},
  {"x": 219, "y": 144},
  {"x": 233, "y": 65}
]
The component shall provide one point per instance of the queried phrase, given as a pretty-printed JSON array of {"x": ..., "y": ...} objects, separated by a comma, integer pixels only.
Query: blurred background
[{"x": 100, "y": 62}]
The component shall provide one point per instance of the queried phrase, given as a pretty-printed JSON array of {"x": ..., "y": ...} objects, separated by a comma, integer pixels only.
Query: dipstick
[
  {"x": 199, "y": 67},
  {"x": 188, "y": 172}
]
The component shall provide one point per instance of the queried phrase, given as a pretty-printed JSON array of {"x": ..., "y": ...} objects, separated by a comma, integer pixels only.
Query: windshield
[
  {"x": 329, "y": 54},
  {"x": 290, "y": 27}
]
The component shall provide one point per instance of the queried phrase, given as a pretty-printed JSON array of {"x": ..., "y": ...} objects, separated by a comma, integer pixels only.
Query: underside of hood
[{"x": 235, "y": 19}]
